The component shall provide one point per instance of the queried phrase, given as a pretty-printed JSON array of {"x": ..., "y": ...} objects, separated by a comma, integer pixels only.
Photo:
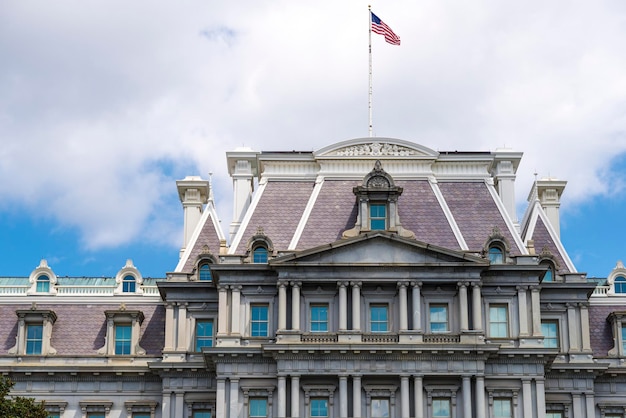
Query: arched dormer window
[
  {"x": 620, "y": 284},
  {"x": 204, "y": 272},
  {"x": 259, "y": 254},
  {"x": 547, "y": 260},
  {"x": 128, "y": 280},
  {"x": 377, "y": 203},
  {"x": 43, "y": 284},
  {"x": 129, "y": 284},
  {"x": 496, "y": 248},
  {"x": 496, "y": 255},
  {"x": 549, "y": 276},
  {"x": 260, "y": 247}
]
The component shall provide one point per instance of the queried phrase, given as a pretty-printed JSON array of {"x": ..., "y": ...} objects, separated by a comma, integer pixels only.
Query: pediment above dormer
[{"x": 379, "y": 248}]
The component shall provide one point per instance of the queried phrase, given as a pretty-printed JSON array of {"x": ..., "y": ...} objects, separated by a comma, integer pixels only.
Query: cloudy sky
[{"x": 104, "y": 104}]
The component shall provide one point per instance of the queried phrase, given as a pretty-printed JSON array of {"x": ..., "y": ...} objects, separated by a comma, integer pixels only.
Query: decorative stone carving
[{"x": 376, "y": 149}]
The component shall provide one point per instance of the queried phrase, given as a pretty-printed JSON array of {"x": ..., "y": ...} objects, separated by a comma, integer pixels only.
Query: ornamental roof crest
[{"x": 375, "y": 149}]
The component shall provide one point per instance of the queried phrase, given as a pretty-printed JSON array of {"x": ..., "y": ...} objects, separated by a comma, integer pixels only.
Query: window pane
[
  {"x": 319, "y": 318},
  {"x": 620, "y": 284},
  {"x": 378, "y": 216},
  {"x": 495, "y": 255},
  {"x": 141, "y": 415},
  {"x": 122, "y": 339},
  {"x": 438, "y": 318},
  {"x": 259, "y": 255},
  {"x": 380, "y": 408},
  {"x": 259, "y": 320},
  {"x": 128, "y": 284},
  {"x": 502, "y": 408},
  {"x": 379, "y": 321},
  {"x": 554, "y": 415},
  {"x": 550, "y": 331},
  {"x": 498, "y": 322},
  {"x": 319, "y": 407},
  {"x": 43, "y": 284},
  {"x": 258, "y": 407},
  {"x": 95, "y": 415},
  {"x": 441, "y": 408},
  {"x": 201, "y": 414},
  {"x": 549, "y": 276},
  {"x": 204, "y": 334},
  {"x": 205, "y": 272},
  {"x": 34, "y": 338}
]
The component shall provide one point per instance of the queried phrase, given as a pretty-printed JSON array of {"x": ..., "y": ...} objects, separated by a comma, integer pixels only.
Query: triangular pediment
[{"x": 379, "y": 248}]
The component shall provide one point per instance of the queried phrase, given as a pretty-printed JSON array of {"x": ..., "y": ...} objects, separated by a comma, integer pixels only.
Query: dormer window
[
  {"x": 620, "y": 284},
  {"x": 204, "y": 272},
  {"x": 128, "y": 284},
  {"x": 259, "y": 254},
  {"x": 496, "y": 248},
  {"x": 496, "y": 255},
  {"x": 43, "y": 284},
  {"x": 377, "y": 202},
  {"x": 549, "y": 276}
]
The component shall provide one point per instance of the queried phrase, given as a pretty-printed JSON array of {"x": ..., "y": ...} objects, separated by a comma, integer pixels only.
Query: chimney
[
  {"x": 193, "y": 193},
  {"x": 504, "y": 171},
  {"x": 242, "y": 167},
  {"x": 549, "y": 192}
]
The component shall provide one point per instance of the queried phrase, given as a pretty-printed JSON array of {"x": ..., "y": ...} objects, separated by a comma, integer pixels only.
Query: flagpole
[{"x": 369, "y": 8}]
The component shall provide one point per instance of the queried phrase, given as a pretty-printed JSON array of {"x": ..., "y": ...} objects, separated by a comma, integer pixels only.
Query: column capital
[
  {"x": 521, "y": 288},
  {"x": 183, "y": 304},
  {"x": 342, "y": 284},
  {"x": 583, "y": 305},
  {"x": 236, "y": 287},
  {"x": 476, "y": 284},
  {"x": 356, "y": 284},
  {"x": 282, "y": 283},
  {"x": 222, "y": 287},
  {"x": 404, "y": 284},
  {"x": 415, "y": 283},
  {"x": 462, "y": 284},
  {"x": 535, "y": 288},
  {"x": 295, "y": 284}
]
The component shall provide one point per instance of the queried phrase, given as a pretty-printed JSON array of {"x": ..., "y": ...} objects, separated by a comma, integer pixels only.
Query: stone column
[
  {"x": 282, "y": 306},
  {"x": 584, "y": 325},
  {"x": 590, "y": 402},
  {"x": 576, "y": 404},
  {"x": 477, "y": 309},
  {"x": 235, "y": 309},
  {"x": 356, "y": 396},
  {"x": 356, "y": 305},
  {"x": 182, "y": 327},
  {"x": 170, "y": 327},
  {"x": 343, "y": 306},
  {"x": 295, "y": 396},
  {"x": 467, "y": 397},
  {"x": 527, "y": 395},
  {"x": 419, "y": 396},
  {"x": 343, "y": 396},
  {"x": 166, "y": 405},
  {"x": 403, "y": 306},
  {"x": 295, "y": 305},
  {"x": 536, "y": 306},
  {"x": 480, "y": 396},
  {"x": 523, "y": 311},
  {"x": 234, "y": 398},
  {"x": 541, "y": 398},
  {"x": 281, "y": 397},
  {"x": 180, "y": 404},
  {"x": 220, "y": 399},
  {"x": 463, "y": 306},
  {"x": 222, "y": 325},
  {"x": 416, "y": 300},
  {"x": 572, "y": 327},
  {"x": 404, "y": 396}
]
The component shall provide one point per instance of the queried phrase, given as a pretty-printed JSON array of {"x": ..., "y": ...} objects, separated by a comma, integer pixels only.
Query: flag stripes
[{"x": 379, "y": 27}]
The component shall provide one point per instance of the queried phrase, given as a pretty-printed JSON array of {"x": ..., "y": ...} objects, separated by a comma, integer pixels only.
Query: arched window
[
  {"x": 496, "y": 255},
  {"x": 259, "y": 254},
  {"x": 205, "y": 272},
  {"x": 128, "y": 284},
  {"x": 620, "y": 284},
  {"x": 549, "y": 276},
  {"x": 43, "y": 284}
]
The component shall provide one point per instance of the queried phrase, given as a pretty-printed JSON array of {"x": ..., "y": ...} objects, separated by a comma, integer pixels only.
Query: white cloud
[{"x": 105, "y": 103}]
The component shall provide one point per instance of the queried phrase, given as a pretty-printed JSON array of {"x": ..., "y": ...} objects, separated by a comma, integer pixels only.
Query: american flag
[{"x": 381, "y": 28}]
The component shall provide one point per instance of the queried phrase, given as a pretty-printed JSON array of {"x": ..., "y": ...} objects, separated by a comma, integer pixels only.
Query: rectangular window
[
  {"x": 502, "y": 408},
  {"x": 498, "y": 321},
  {"x": 123, "y": 339},
  {"x": 141, "y": 415},
  {"x": 550, "y": 331},
  {"x": 378, "y": 216},
  {"x": 204, "y": 334},
  {"x": 439, "y": 318},
  {"x": 379, "y": 318},
  {"x": 380, "y": 408},
  {"x": 259, "y": 320},
  {"x": 53, "y": 415},
  {"x": 554, "y": 415},
  {"x": 319, "y": 407},
  {"x": 95, "y": 415},
  {"x": 201, "y": 414},
  {"x": 319, "y": 318},
  {"x": 441, "y": 408},
  {"x": 34, "y": 338},
  {"x": 258, "y": 407}
]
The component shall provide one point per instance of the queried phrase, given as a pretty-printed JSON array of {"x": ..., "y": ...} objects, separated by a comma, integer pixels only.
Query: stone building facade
[{"x": 372, "y": 278}]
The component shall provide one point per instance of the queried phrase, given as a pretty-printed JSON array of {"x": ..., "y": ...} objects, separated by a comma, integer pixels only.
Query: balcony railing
[
  {"x": 380, "y": 338},
  {"x": 442, "y": 339},
  {"x": 319, "y": 338},
  {"x": 77, "y": 291}
]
